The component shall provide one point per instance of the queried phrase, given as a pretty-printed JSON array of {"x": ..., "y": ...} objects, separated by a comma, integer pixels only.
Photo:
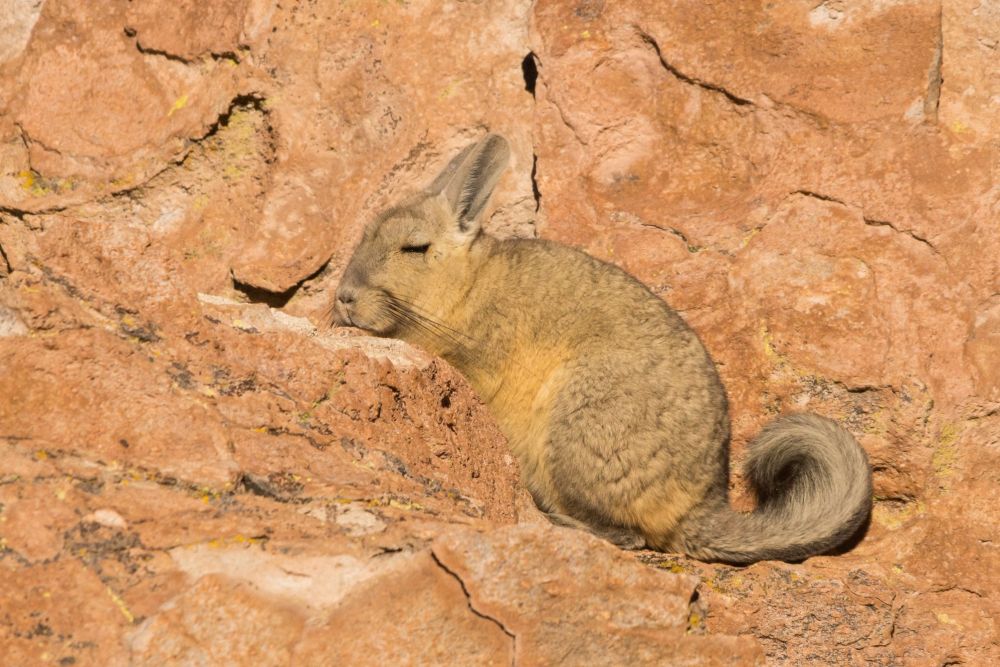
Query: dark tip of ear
[{"x": 495, "y": 143}]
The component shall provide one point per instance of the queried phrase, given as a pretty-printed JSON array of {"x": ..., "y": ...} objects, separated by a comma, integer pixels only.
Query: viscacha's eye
[{"x": 416, "y": 249}]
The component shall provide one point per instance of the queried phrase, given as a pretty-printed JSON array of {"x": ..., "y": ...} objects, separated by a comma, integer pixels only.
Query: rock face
[{"x": 194, "y": 468}]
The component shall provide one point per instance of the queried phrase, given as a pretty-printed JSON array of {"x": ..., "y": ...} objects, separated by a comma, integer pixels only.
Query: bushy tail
[{"x": 814, "y": 490}]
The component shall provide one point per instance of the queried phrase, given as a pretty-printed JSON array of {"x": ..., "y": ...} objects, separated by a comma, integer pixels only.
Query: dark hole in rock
[{"x": 529, "y": 68}]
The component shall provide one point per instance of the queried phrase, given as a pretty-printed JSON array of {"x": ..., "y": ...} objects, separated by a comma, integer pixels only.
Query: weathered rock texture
[{"x": 195, "y": 469}]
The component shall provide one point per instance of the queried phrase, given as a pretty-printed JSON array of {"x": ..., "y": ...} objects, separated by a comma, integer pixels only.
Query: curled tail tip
[
  {"x": 814, "y": 492},
  {"x": 810, "y": 473}
]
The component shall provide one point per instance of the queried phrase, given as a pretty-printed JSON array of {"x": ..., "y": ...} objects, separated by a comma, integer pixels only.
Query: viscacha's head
[{"x": 414, "y": 261}]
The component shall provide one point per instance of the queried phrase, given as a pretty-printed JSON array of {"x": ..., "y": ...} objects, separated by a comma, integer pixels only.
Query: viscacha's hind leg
[{"x": 623, "y": 538}]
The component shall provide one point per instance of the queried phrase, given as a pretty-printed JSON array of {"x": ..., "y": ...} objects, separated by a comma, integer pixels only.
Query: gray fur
[
  {"x": 813, "y": 489},
  {"x": 609, "y": 400}
]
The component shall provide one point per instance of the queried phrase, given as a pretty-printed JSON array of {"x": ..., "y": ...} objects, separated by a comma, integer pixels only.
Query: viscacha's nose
[{"x": 346, "y": 295}]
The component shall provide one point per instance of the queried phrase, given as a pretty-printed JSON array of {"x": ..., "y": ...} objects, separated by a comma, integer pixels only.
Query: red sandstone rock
[
  {"x": 94, "y": 113},
  {"x": 566, "y": 614},
  {"x": 193, "y": 467}
]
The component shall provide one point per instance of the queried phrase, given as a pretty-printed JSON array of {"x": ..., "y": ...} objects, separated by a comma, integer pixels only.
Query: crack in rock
[
  {"x": 694, "y": 81},
  {"x": 27, "y": 140},
  {"x": 567, "y": 122},
  {"x": 536, "y": 193},
  {"x": 821, "y": 197},
  {"x": 21, "y": 213},
  {"x": 249, "y": 100},
  {"x": 468, "y": 600},
  {"x": 934, "y": 77},
  {"x": 871, "y": 222},
  {"x": 274, "y": 298},
  {"x": 691, "y": 247},
  {"x": 149, "y": 51},
  {"x": 14, "y": 212},
  {"x": 817, "y": 119},
  {"x": 231, "y": 56}
]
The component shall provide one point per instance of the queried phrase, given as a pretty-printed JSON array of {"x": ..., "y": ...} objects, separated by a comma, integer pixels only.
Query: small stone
[
  {"x": 108, "y": 518},
  {"x": 358, "y": 521}
]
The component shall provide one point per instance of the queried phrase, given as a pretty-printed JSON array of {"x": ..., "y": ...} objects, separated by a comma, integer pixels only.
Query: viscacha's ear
[{"x": 468, "y": 180}]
